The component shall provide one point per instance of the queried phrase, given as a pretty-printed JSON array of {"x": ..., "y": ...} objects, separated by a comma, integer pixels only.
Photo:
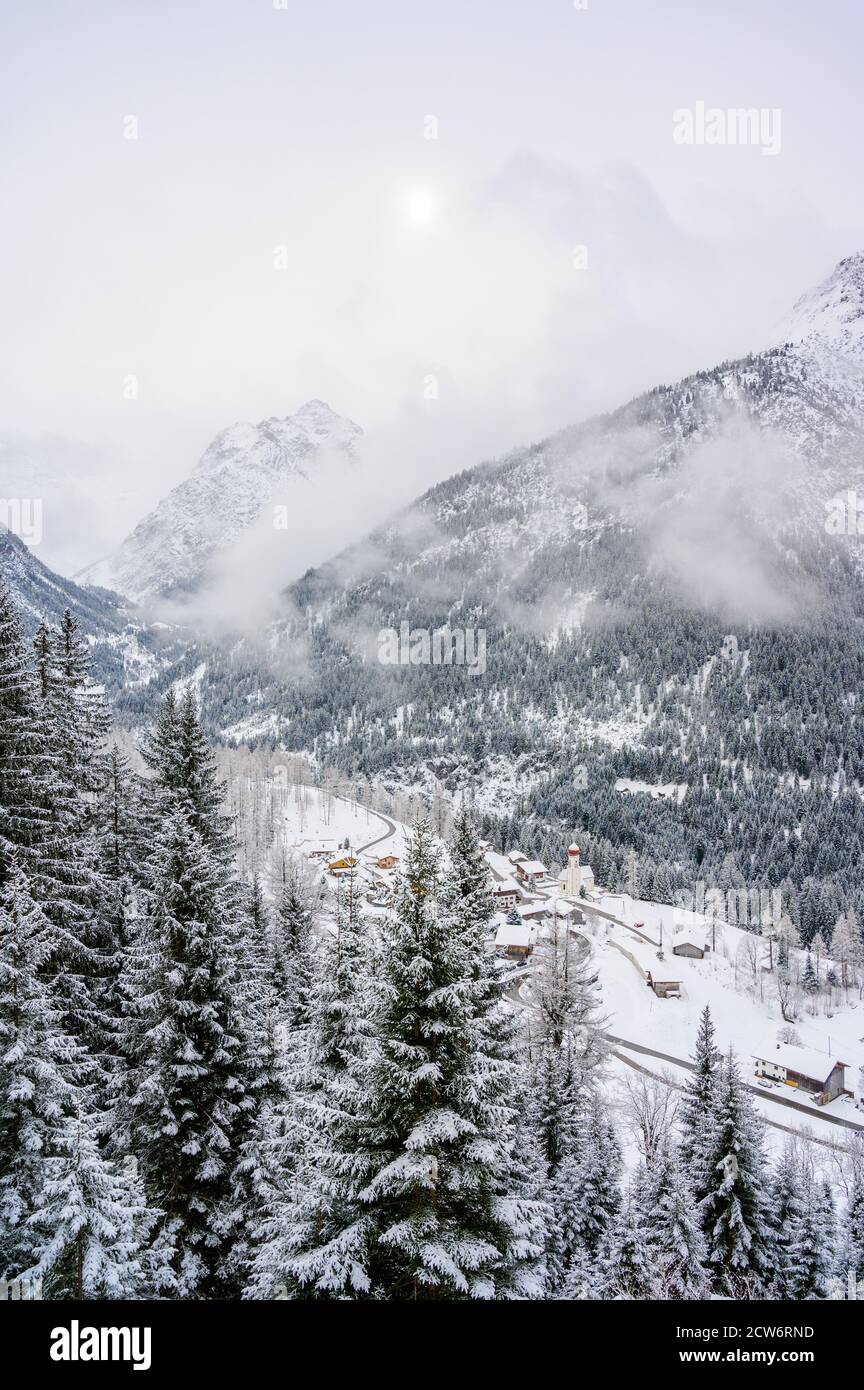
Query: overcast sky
[{"x": 282, "y": 228}]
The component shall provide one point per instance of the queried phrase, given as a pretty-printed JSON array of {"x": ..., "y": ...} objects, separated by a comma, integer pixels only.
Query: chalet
[
  {"x": 804, "y": 1069},
  {"x": 517, "y": 942},
  {"x": 506, "y": 893},
  {"x": 517, "y": 857},
  {"x": 692, "y": 942},
  {"x": 387, "y": 861},
  {"x": 343, "y": 865},
  {"x": 530, "y": 870},
  {"x": 551, "y": 908}
]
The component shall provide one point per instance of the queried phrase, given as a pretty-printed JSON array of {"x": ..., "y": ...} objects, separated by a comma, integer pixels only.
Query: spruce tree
[
  {"x": 64, "y": 872},
  {"x": 850, "y": 1256},
  {"x": 91, "y": 1224},
  {"x": 68, "y": 1217},
  {"x": 808, "y": 1249},
  {"x": 187, "y": 1096},
  {"x": 435, "y": 1214},
  {"x": 24, "y": 757},
  {"x": 674, "y": 1230},
  {"x": 701, "y": 1086},
  {"x": 784, "y": 1214},
  {"x": 627, "y": 1269},
  {"x": 36, "y": 1062},
  {"x": 735, "y": 1210}
]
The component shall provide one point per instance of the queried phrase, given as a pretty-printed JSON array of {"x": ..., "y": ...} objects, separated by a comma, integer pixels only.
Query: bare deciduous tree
[{"x": 650, "y": 1104}]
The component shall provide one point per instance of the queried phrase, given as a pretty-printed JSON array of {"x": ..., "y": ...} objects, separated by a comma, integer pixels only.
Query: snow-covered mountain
[
  {"x": 662, "y": 600},
  {"x": 125, "y": 653},
  {"x": 832, "y": 315},
  {"x": 38, "y": 592},
  {"x": 245, "y": 469}
]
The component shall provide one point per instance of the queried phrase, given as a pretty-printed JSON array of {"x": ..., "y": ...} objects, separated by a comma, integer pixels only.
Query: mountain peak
[
  {"x": 237, "y": 477},
  {"x": 832, "y": 314}
]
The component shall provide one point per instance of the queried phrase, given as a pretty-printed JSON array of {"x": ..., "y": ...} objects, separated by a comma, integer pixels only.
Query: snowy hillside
[{"x": 832, "y": 315}]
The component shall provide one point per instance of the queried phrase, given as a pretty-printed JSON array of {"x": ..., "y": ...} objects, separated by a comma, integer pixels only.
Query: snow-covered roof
[
  {"x": 661, "y": 970},
  {"x": 507, "y": 885},
  {"x": 509, "y": 934},
  {"x": 499, "y": 864},
  {"x": 691, "y": 936},
  {"x": 532, "y": 866},
  {"x": 805, "y": 1060}
]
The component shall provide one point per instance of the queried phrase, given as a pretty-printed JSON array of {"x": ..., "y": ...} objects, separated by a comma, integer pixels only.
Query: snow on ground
[
  {"x": 666, "y": 791},
  {"x": 312, "y": 817},
  {"x": 747, "y": 1017}
]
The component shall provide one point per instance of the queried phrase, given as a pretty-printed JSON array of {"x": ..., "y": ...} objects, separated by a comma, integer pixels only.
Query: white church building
[{"x": 575, "y": 875}]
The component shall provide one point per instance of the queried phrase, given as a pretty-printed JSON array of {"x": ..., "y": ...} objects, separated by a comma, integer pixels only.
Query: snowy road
[
  {"x": 388, "y": 833},
  {"x": 811, "y": 1111},
  {"x": 513, "y": 992}
]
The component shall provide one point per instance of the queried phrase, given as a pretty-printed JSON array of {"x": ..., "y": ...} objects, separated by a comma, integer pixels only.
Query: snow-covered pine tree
[
  {"x": 67, "y": 1216},
  {"x": 24, "y": 757},
  {"x": 187, "y": 1090},
  {"x": 64, "y": 872},
  {"x": 597, "y": 1174},
  {"x": 850, "y": 1254},
  {"x": 432, "y": 1216},
  {"x": 627, "y": 1268},
  {"x": 809, "y": 981},
  {"x": 736, "y": 1209},
  {"x": 121, "y": 864},
  {"x": 674, "y": 1231},
  {"x": 36, "y": 1059},
  {"x": 500, "y": 1071},
  {"x": 784, "y": 1213},
  {"x": 91, "y": 1224},
  {"x": 292, "y": 927},
  {"x": 272, "y": 1040},
  {"x": 304, "y": 1146},
  {"x": 697, "y": 1112},
  {"x": 807, "y": 1248}
]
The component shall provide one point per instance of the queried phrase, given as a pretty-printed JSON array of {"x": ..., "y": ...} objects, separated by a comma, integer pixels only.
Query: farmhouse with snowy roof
[
  {"x": 515, "y": 941},
  {"x": 819, "y": 1075},
  {"x": 506, "y": 892},
  {"x": 530, "y": 870}
]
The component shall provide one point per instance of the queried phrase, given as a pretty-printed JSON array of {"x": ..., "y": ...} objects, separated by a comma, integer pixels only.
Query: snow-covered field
[{"x": 666, "y": 791}]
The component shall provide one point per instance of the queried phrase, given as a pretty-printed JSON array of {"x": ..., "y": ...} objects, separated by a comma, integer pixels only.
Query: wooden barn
[{"x": 692, "y": 942}]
